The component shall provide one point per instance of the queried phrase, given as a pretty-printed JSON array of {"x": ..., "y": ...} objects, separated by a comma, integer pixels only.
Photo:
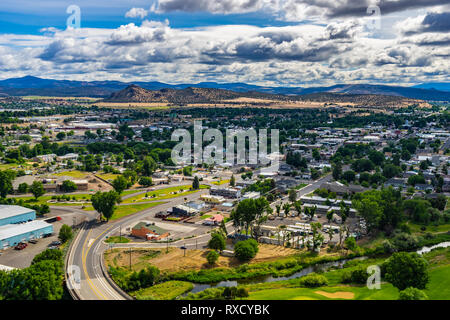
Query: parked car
[
  {"x": 55, "y": 244},
  {"x": 21, "y": 246},
  {"x": 33, "y": 241}
]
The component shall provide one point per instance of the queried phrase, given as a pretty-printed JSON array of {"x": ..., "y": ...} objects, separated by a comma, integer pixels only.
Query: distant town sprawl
[{"x": 79, "y": 181}]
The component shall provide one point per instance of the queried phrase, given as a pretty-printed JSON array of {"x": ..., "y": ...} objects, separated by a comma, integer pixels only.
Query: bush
[
  {"x": 246, "y": 250},
  {"x": 358, "y": 275},
  {"x": 212, "y": 257},
  {"x": 313, "y": 280},
  {"x": 412, "y": 294},
  {"x": 65, "y": 233},
  {"x": 217, "y": 242}
]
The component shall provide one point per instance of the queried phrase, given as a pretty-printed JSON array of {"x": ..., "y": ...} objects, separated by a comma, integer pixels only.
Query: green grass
[
  {"x": 45, "y": 199},
  {"x": 387, "y": 292},
  {"x": 415, "y": 228},
  {"x": 439, "y": 286},
  {"x": 301, "y": 186},
  {"x": 74, "y": 174},
  {"x": 108, "y": 176},
  {"x": 163, "y": 194},
  {"x": 117, "y": 240},
  {"x": 205, "y": 216},
  {"x": 219, "y": 183},
  {"x": 123, "y": 211},
  {"x": 165, "y": 291}
]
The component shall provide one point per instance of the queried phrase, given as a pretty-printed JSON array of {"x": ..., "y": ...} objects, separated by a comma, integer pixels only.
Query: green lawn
[
  {"x": 74, "y": 174},
  {"x": 45, "y": 199},
  {"x": 163, "y": 194},
  {"x": 388, "y": 292},
  {"x": 108, "y": 176},
  {"x": 123, "y": 211},
  {"x": 165, "y": 291},
  {"x": 117, "y": 240},
  {"x": 219, "y": 183}
]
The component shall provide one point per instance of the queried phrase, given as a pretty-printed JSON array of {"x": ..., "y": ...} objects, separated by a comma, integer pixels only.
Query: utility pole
[{"x": 130, "y": 258}]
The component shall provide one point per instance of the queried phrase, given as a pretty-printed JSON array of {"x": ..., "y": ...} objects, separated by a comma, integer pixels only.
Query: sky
[{"x": 292, "y": 43}]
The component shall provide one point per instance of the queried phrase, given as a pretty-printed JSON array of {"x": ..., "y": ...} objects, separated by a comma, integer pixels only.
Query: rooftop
[
  {"x": 12, "y": 230},
  {"x": 12, "y": 211}
]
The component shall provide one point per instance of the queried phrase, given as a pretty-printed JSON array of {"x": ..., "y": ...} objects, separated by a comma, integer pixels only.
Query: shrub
[
  {"x": 246, "y": 250},
  {"x": 358, "y": 275},
  {"x": 313, "y": 280},
  {"x": 65, "y": 233},
  {"x": 412, "y": 294},
  {"x": 217, "y": 242},
  {"x": 212, "y": 257}
]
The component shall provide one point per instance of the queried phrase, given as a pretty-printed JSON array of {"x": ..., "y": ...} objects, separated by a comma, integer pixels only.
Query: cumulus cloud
[
  {"x": 136, "y": 13},
  {"x": 295, "y": 10}
]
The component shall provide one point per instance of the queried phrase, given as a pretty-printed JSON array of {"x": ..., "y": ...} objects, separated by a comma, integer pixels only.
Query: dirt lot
[{"x": 195, "y": 259}]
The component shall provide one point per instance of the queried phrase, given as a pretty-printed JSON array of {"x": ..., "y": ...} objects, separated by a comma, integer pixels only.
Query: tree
[
  {"x": 350, "y": 243},
  {"x": 196, "y": 183},
  {"x": 148, "y": 166},
  {"x": 412, "y": 294},
  {"x": 330, "y": 215},
  {"x": 337, "y": 171},
  {"x": 146, "y": 181},
  {"x": 292, "y": 195},
  {"x": 317, "y": 237},
  {"x": 6, "y": 178},
  {"x": 187, "y": 171},
  {"x": 65, "y": 233},
  {"x": 37, "y": 189},
  {"x": 349, "y": 176},
  {"x": 406, "y": 270},
  {"x": 246, "y": 250},
  {"x": 217, "y": 242},
  {"x": 120, "y": 184},
  {"x": 212, "y": 257},
  {"x": 233, "y": 181},
  {"x": 68, "y": 186},
  {"x": 23, "y": 188},
  {"x": 105, "y": 203},
  {"x": 316, "y": 154},
  {"x": 61, "y": 136}
]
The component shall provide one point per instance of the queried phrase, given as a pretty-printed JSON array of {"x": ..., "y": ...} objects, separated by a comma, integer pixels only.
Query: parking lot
[{"x": 22, "y": 258}]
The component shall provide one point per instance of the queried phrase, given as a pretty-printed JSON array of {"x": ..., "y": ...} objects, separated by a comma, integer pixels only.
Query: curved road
[{"x": 88, "y": 247}]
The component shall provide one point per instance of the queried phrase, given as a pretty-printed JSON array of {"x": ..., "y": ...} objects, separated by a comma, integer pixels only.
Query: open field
[
  {"x": 126, "y": 210},
  {"x": 175, "y": 260},
  {"x": 163, "y": 194},
  {"x": 134, "y": 105},
  {"x": 74, "y": 174}
]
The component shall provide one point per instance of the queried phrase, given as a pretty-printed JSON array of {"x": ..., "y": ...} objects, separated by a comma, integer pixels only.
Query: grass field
[
  {"x": 165, "y": 291},
  {"x": 221, "y": 182},
  {"x": 45, "y": 199},
  {"x": 123, "y": 211},
  {"x": 74, "y": 174},
  {"x": 163, "y": 194},
  {"x": 108, "y": 176}
]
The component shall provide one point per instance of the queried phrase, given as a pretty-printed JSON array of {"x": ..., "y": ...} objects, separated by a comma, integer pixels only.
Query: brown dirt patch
[
  {"x": 175, "y": 260},
  {"x": 337, "y": 295}
]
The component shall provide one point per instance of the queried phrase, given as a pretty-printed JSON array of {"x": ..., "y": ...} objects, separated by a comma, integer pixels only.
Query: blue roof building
[{"x": 15, "y": 214}]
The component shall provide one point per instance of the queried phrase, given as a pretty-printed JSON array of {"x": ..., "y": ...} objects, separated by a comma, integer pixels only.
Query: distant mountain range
[{"x": 102, "y": 89}]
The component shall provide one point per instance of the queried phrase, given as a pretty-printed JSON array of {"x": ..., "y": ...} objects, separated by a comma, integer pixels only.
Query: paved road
[{"x": 88, "y": 248}]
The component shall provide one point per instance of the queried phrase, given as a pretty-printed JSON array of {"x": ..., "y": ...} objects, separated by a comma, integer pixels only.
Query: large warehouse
[
  {"x": 18, "y": 224},
  {"x": 15, "y": 214},
  {"x": 13, "y": 234}
]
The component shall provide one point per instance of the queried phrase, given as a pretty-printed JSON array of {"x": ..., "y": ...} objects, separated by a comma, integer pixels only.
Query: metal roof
[
  {"x": 12, "y": 230},
  {"x": 12, "y": 211}
]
